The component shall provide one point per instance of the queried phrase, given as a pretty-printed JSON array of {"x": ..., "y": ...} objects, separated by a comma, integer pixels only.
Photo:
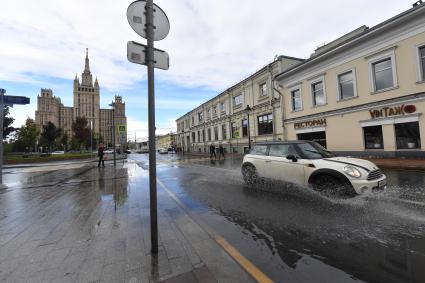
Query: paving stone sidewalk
[{"x": 94, "y": 227}]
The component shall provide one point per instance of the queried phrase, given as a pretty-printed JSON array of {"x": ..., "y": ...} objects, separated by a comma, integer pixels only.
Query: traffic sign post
[
  {"x": 150, "y": 22},
  {"x": 9, "y": 100}
]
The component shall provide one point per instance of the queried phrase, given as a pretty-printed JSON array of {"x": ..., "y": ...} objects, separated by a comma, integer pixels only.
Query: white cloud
[
  {"x": 139, "y": 129},
  {"x": 211, "y": 43}
]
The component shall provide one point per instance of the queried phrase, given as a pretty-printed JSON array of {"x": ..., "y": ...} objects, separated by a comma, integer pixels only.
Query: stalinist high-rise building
[{"x": 86, "y": 95}]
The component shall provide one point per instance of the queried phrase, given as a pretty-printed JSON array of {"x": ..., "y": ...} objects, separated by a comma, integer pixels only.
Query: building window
[
  {"x": 193, "y": 137},
  {"x": 209, "y": 113},
  {"x": 215, "y": 133},
  {"x": 244, "y": 128},
  {"x": 203, "y": 135},
  {"x": 235, "y": 132},
  {"x": 222, "y": 107},
  {"x": 346, "y": 85},
  {"x": 373, "y": 138},
  {"x": 215, "y": 110},
  {"x": 238, "y": 100},
  {"x": 296, "y": 100},
  {"x": 383, "y": 74},
  {"x": 199, "y": 136},
  {"x": 209, "y": 134},
  {"x": 421, "y": 51},
  {"x": 265, "y": 124},
  {"x": 263, "y": 89},
  {"x": 193, "y": 120},
  {"x": 200, "y": 116},
  {"x": 223, "y": 132},
  {"x": 318, "y": 93},
  {"x": 407, "y": 135}
]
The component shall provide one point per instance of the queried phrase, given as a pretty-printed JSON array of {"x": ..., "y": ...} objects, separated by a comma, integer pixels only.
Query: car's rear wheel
[
  {"x": 331, "y": 185},
  {"x": 250, "y": 175}
]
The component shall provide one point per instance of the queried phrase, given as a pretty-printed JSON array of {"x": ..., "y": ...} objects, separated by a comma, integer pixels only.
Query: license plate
[{"x": 382, "y": 183}]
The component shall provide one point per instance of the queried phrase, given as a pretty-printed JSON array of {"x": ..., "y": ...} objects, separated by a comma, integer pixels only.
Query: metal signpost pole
[
  {"x": 113, "y": 134},
  {"x": 151, "y": 119},
  {"x": 2, "y": 92}
]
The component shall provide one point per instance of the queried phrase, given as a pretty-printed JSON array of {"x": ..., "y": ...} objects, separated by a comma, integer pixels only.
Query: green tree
[
  {"x": 7, "y": 122},
  {"x": 64, "y": 141},
  {"x": 50, "y": 134},
  {"x": 81, "y": 131},
  {"x": 28, "y": 134}
]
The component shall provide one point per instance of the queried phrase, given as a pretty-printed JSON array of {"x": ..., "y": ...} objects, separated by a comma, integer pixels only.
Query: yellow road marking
[
  {"x": 256, "y": 273},
  {"x": 248, "y": 266}
]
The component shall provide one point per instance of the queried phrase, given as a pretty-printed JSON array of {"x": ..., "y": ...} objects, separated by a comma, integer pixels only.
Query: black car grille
[{"x": 375, "y": 174}]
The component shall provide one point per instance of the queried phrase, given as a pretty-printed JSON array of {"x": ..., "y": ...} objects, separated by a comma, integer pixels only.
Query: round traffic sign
[{"x": 136, "y": 17}]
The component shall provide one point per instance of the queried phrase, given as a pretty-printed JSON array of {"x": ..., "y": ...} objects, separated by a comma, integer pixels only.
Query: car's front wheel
[
  {"x": 250, "y": 175},
  {"x": 329, "y": 184}
]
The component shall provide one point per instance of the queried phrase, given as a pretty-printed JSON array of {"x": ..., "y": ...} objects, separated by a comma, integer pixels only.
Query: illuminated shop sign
[
  {"x": 392, "y": 111},
  {"x": 310, "y": 124}
]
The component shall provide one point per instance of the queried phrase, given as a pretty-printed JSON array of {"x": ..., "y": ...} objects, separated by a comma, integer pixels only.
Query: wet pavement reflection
[{"x": 297, "y": 235}]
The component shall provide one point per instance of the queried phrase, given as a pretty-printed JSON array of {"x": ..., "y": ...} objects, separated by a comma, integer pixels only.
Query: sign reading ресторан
[
  {"x": 310, "y": 124},
  {"x": 398, "y": 110}
]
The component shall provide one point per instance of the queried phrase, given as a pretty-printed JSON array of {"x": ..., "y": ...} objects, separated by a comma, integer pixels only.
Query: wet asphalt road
[{"x": 298, "y": 235}]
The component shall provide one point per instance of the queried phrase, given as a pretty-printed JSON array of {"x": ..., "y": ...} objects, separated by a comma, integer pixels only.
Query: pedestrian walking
[
  {"x": 212, "y": 151},
  {"x": 220, "y": 151},
  {"x": 100, "y": 153}
]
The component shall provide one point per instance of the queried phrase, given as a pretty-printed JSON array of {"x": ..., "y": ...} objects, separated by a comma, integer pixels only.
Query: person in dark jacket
[
  {"x": 100, "y": 153},
  {"x": 220, "y": 151},
  {"x": 212, "y": 151}
]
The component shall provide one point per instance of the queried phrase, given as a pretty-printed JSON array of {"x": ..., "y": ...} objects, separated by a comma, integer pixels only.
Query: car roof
[{"x": 283, "y": 142}]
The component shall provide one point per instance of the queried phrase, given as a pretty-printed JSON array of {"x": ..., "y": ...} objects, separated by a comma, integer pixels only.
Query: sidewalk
[
  {"x": 399, "y": 163},
  {"x": 94, "y": 227}
]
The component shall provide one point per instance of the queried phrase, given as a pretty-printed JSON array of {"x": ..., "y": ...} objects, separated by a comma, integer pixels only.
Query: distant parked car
[
  {"x": 163, "y": 151},
  {"x": 58, "y": 152},
  {"x": 108, "y": 151},
  {"x": 127, "y": 151}
]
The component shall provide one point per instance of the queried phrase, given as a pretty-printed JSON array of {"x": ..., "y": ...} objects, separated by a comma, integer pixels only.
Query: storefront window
[
  {"x": 407, "y": 135},
  {"x": 373, "y": 137},
  {"x": 319, "y": 137}
]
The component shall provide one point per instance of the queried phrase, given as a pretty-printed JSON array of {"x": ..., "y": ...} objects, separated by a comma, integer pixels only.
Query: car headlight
[{"x": 352, "y": 171}]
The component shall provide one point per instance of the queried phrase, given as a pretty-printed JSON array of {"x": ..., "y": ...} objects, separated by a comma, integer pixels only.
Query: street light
[
  {"x": 113, "y": 132},
  {"x": 247, "y": 109}
]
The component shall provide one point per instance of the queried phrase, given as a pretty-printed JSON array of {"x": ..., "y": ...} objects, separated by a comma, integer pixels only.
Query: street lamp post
[{"x": 247, "y": 109}]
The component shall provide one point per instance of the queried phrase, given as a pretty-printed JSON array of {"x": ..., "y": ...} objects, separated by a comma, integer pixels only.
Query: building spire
[{"x": 87, "y": 65}]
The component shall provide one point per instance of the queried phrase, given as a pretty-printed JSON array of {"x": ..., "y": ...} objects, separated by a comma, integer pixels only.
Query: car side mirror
[{"x": 292, "y": 157}]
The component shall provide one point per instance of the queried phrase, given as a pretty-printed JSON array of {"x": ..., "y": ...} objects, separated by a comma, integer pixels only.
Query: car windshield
[{"x": 314, "y": 151}]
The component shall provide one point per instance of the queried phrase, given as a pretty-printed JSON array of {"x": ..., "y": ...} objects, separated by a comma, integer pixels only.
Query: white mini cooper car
[{"x": 307, "y": 163}]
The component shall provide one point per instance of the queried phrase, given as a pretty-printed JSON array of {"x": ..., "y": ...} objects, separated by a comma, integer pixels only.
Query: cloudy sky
[{"x": 212, "y": 45}]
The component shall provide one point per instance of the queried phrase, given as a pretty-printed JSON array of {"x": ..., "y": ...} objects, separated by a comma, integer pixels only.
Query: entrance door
[{"x": 319, "y": 137}]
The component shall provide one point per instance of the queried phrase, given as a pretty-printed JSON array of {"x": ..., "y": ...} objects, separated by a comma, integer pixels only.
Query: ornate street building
[{"x": 86, "y": 97}]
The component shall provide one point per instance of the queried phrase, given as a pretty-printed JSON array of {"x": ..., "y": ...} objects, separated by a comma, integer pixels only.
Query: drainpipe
[{"x": 283, "y": 109}]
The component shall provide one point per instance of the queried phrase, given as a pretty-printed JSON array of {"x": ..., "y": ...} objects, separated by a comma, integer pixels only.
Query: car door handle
[{"x": 268, "y": 161}]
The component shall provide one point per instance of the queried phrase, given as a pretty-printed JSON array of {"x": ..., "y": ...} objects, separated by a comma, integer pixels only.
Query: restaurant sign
[
  {"x": 310, "y": 124},
  {"x": 399, "y": 110}
]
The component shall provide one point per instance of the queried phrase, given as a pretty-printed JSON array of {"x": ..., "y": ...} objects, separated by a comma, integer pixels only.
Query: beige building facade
[
  {"x": 363, "y": 94},
  {"x": 250, "y": 108},
  {"x": 86, "y": 103}
]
